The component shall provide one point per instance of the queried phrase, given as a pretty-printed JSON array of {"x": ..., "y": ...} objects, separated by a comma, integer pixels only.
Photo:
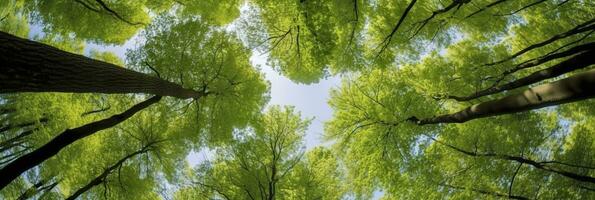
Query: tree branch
[
  {"x": 485, "y": 8},
  {"x": 580, "y": 61},
  {"x": 571, "y": 89},
  {"x": 384, "y": 44},
  {"x": 586, "y": 26}
]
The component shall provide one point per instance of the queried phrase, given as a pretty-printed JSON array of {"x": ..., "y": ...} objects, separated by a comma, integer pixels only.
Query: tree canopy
[{"x": 462, "y": 99}]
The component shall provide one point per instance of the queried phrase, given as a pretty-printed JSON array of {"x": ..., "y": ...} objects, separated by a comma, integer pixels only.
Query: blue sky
[{"x": 310, "y": 100}]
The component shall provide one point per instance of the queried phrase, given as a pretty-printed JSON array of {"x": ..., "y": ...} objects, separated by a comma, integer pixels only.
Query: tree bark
[
  {"x": 101, "y": 178},
  {"x": 69, "y": 136},
  {"x": 580, "y": 61},
  {"x": 29, "y": 66},
  {"x": 571, "y": 89}
]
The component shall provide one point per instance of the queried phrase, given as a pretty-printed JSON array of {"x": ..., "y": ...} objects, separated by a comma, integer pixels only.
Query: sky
[{"x": 310, "y": 100}]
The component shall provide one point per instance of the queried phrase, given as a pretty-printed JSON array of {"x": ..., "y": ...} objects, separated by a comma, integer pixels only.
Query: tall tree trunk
[
  {"x": 101, "y": 178},
  {"x": 30, "y": 160},
  {"x": 29, "y": 66},
  {"x": 571, "y": 89}
]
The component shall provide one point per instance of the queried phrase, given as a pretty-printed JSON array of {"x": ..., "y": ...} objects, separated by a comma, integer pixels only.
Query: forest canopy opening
[{"x": 178, "y": 99}]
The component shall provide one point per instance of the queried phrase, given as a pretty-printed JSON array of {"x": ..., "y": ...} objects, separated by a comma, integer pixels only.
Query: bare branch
[
  {"x": 384, "y": 44},
  {"x": 109, "y": 11},
  {"x": 485, "y": 8},
  {"x": 523, "y": 8},
  {"x": 512, "y": 179},
  {"x": 455, "y": 3},
  {"x": 96, "y": 111},
  {"x": 487, "y": 192},
  {"x": 523, "y": 160},
  {"x": 574, "y": 63},
  {"x": 586, "y": 26}
]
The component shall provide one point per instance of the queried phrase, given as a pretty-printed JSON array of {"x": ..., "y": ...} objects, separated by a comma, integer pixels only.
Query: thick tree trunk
[
  {"x": 30, "y": 160},
  {"x": 28, "y": 66},
  {"x": 101, "y": 178},
  {"x": 579, "y": 61},
  {"x": 571, "y": 89}
]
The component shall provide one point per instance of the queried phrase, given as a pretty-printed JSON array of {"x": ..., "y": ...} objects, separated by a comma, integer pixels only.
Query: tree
[
  {"x": 30, "y": 160},
  {"x": 101, "y": 178},
  {"x": 461, "y": 99},
  {"x": 34, "y": 67},
  {"x": 232, "y": 80},
  {"x": 267, "y": 163},
  {"x": 99, "y": 21},
  {"x": 194, "y": 54},
  {"x": 304, "y": 38},
  {"x": 374, "y": 110}
]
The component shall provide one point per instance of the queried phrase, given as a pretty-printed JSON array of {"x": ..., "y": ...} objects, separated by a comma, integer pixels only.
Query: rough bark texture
[
  {"x": 571, "y": 89},
  {"x": 28, "y": 66},
  {"x": 30, "y": 160}
]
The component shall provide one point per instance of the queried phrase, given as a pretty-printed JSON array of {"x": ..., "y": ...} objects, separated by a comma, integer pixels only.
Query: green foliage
[
  {"x": 216, "y": 12},
  {"x": 89, "y": 20},
  {"x": 268, "y": 162},
  {"x": 390, "y": 74},
  {"x": 13, "y": 19},
  {"x": 304, "y": 38},
  {"x": 198, "y": 56},
  {"x": 384, "y": 151}
]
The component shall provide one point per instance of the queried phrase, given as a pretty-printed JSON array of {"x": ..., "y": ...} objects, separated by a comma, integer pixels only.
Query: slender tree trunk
[
  {"x": 101, "y": 178},
  {"x": 31, "y": 191},
  {"x": 571, "y": 89},
  {"x": 36, "y": 189},
  {"x": 579, "y": 61},
  {"x": 96, "y": 111},
  {"x": 272, "y": 183},
  {"x": 29, "y": 66},
  {"x": 486, "y": 192},
  {"x": 22, "y": 125},
  {"x": 6, "y": 110},
  {"x": 36, "y": 157},
  {"x": 15, "y": 141},
  {"x": 519, "y": 159}
]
